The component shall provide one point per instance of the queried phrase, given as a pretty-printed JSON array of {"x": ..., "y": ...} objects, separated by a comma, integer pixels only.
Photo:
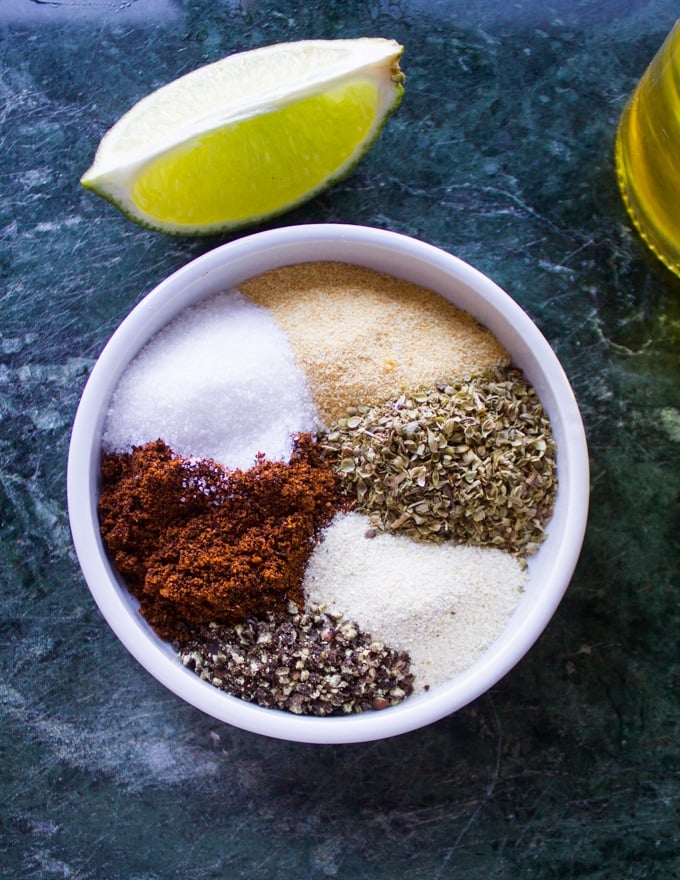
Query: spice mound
[
  {"x": 474, "y": 461},
  {"x": 362, "y": 336},
  {"x": 351, "y": 479},
  {"x": 443, "y": 604},
  {"x": 308, "y": 663},
  {"x": 197, "y": 542},
  {"x": 203, "y": 386}
]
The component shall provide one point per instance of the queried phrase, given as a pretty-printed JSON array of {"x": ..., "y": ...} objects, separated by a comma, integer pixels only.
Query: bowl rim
[{"x": 418, "y": 261}]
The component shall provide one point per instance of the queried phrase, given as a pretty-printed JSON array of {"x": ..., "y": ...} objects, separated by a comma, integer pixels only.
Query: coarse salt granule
[
  {"x": 444, "y": 604},
  {"x": 364, "y": 336},
  {"x": 220, "y": 381}
]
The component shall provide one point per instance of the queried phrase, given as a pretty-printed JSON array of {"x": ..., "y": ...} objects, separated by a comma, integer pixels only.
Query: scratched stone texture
[{"x": 502, "y": 154}]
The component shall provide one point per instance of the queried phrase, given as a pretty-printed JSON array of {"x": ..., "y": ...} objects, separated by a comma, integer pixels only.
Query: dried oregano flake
[{"x": 473, "y": 461}]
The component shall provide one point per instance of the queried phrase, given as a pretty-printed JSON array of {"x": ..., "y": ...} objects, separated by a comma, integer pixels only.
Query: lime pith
[{"x": 222, "y": 167}]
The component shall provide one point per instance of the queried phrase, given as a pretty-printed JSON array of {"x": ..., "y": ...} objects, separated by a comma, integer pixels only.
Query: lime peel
[{"x": 250, "y": 136}]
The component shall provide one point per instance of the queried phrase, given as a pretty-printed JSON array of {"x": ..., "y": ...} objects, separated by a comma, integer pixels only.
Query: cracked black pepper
[{"x": 308, "y": 663}]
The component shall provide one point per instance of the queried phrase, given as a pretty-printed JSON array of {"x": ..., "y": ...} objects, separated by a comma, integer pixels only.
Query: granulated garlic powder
[{"x": 362, "y": 337}]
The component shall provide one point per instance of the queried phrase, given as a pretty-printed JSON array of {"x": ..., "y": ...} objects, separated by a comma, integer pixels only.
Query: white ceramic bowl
[{"x": 550, "y": 570}]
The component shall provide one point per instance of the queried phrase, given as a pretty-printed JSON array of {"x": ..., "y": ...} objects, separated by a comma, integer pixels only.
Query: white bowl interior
[{"x": 550, "y": 570}]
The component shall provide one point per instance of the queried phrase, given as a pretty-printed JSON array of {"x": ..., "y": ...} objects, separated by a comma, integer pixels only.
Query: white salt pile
[
  {"x": 444, "y": 603},
  {"x": 220, "y": 381}
]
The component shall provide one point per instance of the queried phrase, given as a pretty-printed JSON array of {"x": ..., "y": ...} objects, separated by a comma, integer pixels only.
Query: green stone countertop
[{"x": 502, "y": 154}]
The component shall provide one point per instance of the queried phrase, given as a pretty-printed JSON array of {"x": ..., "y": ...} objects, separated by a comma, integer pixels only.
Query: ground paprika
[{"x": 196, "y": 542}]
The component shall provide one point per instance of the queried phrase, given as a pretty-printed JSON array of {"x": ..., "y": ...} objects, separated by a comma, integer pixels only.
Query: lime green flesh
[{"x": 261, "y": 165}]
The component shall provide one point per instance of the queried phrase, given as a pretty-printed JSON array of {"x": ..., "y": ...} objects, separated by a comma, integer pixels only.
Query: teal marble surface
[{"x": 502, "y": 154}]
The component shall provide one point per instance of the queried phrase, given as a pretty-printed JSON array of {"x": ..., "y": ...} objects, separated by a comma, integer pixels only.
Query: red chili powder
[{"x": 196, "y": 542}]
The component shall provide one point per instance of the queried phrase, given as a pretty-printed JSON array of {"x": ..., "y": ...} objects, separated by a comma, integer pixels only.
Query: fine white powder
[
  {"x": 220, "y": 381},
  {"x": 444, "y": 604}
]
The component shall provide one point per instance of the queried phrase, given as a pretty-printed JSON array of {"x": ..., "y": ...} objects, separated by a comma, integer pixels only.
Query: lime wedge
[{"x": 250, "y": 136}]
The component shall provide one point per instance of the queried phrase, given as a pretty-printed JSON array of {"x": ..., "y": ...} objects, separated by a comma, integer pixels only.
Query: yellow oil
[{"x": 648, "y": 153}]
